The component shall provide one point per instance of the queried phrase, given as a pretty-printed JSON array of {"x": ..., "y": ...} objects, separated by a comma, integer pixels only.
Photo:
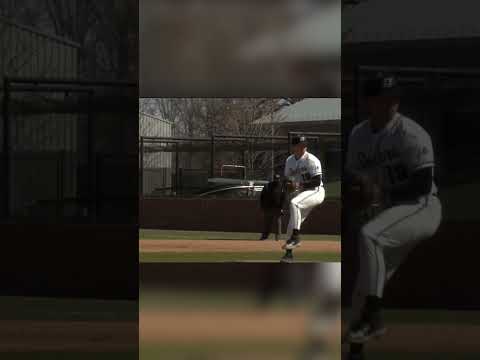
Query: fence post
[
  {"x": 177, "y": 175},
  {"x": 244, "y": 152},
  {"x": 92, "y": 193},
  {"x": 273, "y": 155},
  {"x": 142, "y": 145},
  {"x": 60, "y": 188},
  {"x": 289, "y": 142},
  {"x": 6, "y": 147},
  {"x": 212, "y": 157}
]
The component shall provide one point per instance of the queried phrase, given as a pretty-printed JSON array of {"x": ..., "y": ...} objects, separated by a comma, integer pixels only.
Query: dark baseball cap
[
  {"x": 382, "y": 85},
  {"x": 299, "y": 140}
]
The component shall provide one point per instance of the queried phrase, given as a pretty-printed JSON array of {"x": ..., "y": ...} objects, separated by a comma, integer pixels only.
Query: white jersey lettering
[
  {"x": 393, "y": 154},
  {"x": 303, "y": 169}
]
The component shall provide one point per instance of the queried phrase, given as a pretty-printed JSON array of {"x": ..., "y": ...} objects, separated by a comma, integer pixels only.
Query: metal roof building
[
  {"x": 28, "y": 52},
  {"x": 157, "y": 166},
  {"x": 318, "y": 117},
  {"x": 318, "y": 110},
  {"x": 37, "y": 138}
]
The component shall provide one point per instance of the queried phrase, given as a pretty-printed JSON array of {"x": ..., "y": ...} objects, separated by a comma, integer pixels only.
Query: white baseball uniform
[
  {"x": 394, "y": 154},
  {"x": 327, "y": 291},
  {"x": 299, "y": 171}
]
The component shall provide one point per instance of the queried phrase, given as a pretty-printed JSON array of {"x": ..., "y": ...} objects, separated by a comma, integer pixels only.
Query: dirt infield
[
  {"x": 40, "y": 335},
  {"x": 193, "y": 246},
  {"x": 193, "y": 326}
]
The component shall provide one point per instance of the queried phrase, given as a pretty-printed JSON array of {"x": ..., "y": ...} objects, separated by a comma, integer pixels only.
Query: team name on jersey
[
  {"x": 299, "y": 170},
  {"x": 381, "y": 157}
]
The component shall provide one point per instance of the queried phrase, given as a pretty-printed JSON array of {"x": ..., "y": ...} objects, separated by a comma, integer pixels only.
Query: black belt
[{"x": 313, "y": 188}]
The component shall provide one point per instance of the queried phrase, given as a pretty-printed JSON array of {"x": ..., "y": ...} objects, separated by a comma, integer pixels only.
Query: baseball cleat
[
  {"x": 263, "y": 237},
  {"x": 287, "y": 259},
  {"x": 292, "y": 243},
  {"x": 367, "y": 330}
]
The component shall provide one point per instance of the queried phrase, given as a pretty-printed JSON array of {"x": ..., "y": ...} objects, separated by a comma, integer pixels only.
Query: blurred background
[
  {"x": 232, "y": 48},
  {"x": 240, "y": 311},
  {"x": 433, "y": 309},
  {"x": 68, "y": 141}
]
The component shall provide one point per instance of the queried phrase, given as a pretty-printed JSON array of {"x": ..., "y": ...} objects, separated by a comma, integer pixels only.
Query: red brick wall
[{"x": 227, "y": 215}]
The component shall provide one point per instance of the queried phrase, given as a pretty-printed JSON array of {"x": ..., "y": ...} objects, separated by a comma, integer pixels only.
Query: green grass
[
  {"x": 333, "y": 190},
  {"x": 67, "y": 310},
  {"x": 236, "y": 256},
  {"x": 198, "y": 299},
  {"x": 213, "y": 350},
  {"x": 153, "y": 234},
  {"x": 402, "y": 355},
  {"x": 70, "y": 355},
  {"x": 216, "y": 299},
  {"x": 56, "y": 309}
]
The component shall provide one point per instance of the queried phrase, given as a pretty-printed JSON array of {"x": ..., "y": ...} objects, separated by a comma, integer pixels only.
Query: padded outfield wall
[{"x": 228, "y": 215}]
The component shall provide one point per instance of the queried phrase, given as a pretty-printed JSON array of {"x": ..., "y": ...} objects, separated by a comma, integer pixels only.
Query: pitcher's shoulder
[
  {"x": 312, "y": 158},
  {"x": 290, "y": 158},
  {"x": 411, "y": 129},
  {"x": 360, "y": 128}
]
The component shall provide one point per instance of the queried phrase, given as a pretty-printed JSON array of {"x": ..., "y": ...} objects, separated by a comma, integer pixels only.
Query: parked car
[{"x": 225, "y": 188}]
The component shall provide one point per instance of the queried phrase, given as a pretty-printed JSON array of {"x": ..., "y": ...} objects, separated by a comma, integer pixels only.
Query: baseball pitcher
[
  {"x": 303, "y": 172},
  {"x": 390, "y": 164}
]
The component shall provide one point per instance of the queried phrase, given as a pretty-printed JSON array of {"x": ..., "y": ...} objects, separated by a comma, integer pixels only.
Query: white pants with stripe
[
  {"x": 301, "y": 206},
  {"x": 387, "y": 239}
]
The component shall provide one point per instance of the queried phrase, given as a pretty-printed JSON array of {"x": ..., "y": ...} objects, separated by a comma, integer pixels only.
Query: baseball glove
[
  {"x": 291, "y": 186},
  {"x": 363, "y": 193}
]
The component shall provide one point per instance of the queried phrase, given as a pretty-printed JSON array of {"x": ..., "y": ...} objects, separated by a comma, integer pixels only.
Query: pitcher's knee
[
  {"x": 294, "y": 202},
  {"x": 294, "y": 205},
  {"x": 367, "y": 235}
]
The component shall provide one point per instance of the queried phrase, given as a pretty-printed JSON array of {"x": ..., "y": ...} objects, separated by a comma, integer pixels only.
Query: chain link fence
[
  {"x": 189, "y": 166},
  {"x": 66, "y": 153}
]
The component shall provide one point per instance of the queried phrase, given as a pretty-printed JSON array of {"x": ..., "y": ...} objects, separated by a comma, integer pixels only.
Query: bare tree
[
  {"x": 26, "y": 12},
  {"x": 259, "y": 117},
  {"x": 205, "y": 117},
  {"x": 101, "y": 27}
]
